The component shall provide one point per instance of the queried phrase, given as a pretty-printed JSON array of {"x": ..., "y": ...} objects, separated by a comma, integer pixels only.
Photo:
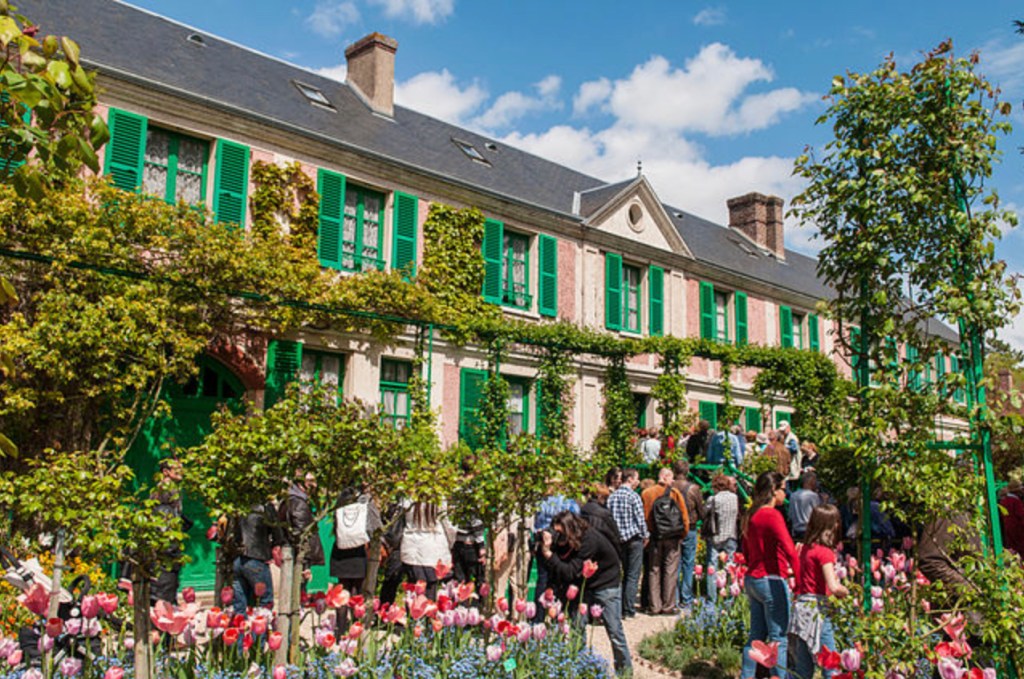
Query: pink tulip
[
  {"x": 280, "y": 672},
  {"x": 188, "y": 595},
  {"x": 107, "y": 602},
  {"x": 32, "y": 673},
  {"x": 571, "y": 593},
  {"x": 520, "y": 605},
  {"x": 950, "y": 668},
  {"x": 583, "y": 609},
  {"x": 325, "y": 639},
  {"x": 91, "y": 628},
  {"x": 698, "y": 571},
  {"x": 589, "y": 568},
  {"x": 45, "y": 643},
  {"x": 274, "y": 640},
  {"x": 346, "y": 668},
  {"x": 485, "y": 589},
  {"x": 36, "y": 599},
  {"x": 227, "y": 595},
  {"x": 70, "y": 667},
  {"x": 259, "y": 625},
  {"x": 596, "y": 610},
  {"x": 540, "y": 631},
  {"x": 850, "y": 659},
  {"x": 531, "y": 610},
  {"x": 259, "y": 589},
  {"x": 213, "y": 618},
  {"x": 525, "y": 634},
  {"x": 493, "y": 653},
  {"x": 114, "y": 673},
  {"x": 129, "y": 643},
  {"x": 338, "y": 596},
  {"x": 73, "y": 626},
  {"x": 90, "y": 606},
  {"x": 14, "y": 657},
  {"x": 502, "y": 604}
]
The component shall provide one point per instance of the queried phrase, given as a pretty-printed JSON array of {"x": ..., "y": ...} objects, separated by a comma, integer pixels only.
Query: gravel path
[{"x": 636, "y": 629}]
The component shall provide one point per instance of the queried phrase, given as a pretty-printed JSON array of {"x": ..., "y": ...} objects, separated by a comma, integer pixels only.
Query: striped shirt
[
  {"x": 628, "y": 512},
  {"x": 725, "y": 504}
]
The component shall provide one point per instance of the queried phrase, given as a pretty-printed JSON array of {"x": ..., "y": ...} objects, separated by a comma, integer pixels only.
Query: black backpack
[{"x": 666, "y": 518}]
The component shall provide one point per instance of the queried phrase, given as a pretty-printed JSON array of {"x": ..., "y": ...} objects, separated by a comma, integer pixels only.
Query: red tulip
[
  {"x": 337, "y": 596},
  {"x": 356, "y": 600},
  {"x": 589, "y": 568},
  {"x": 247, "y": 642},
  {"x": 211, "y": 533},
  {"x": 359, "y": 611},
  {"x": 766, "y": 655},
  {"x": 54, "y": 626},
  {"x": 442, "y": 570},
  {"x": 259, "y": 625},
  {"x": 188, "y": 595},
  {"x": 421, "y": 607},
  {"x": 231, "y": 635},
  {"x": 227, "y": 595},
  {"x": 326, "y": 640},
  {"x": 828, "y": 659},
  {"x": 259, "y": 589},
  {"x": 417, "y": 631},
  {"x": 274, "y": 640}
]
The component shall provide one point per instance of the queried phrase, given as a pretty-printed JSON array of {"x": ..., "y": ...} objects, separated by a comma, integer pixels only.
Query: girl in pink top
[
  {"x": 809, "y": 626},
  {"x": 770, "y": 554}
]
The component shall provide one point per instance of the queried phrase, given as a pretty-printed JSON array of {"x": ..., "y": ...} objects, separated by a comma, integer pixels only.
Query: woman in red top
[
  {"x": 770, "y": 555},
  {"x": 809, "y": 625}
]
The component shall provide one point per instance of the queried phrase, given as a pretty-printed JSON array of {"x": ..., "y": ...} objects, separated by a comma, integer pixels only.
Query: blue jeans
[
  {"x": 687, "y": 560},
  {"x": 729, "y": 547},
  {"x": 248, "y": 573},
  {"x": 632, "y": 566},
  {"x": 610, "y": 599},
  {"x": 769, "y": 618},
  {"x": 801, "y": 660}
]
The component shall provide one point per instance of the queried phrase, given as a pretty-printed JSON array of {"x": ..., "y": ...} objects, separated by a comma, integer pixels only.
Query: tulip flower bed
[
  {"x": 419, "y": 637},
  {"x": 884, "y": 643}
]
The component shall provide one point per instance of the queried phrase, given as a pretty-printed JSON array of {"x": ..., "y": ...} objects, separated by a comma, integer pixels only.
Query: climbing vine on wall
[
  {"x": 614, "y": 445},
  {"x": 555, "y": 397},
  {"x": 669, "y": 391},
  {"x": 493, "y": 413},
  {"x": 284, "y": 193}
]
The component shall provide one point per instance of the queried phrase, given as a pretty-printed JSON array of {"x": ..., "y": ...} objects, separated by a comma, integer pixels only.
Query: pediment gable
[{"x": 632, "y": 210}]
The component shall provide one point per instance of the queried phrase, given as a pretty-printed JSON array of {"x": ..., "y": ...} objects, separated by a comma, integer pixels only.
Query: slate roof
[{"x": 130, "y": 43}]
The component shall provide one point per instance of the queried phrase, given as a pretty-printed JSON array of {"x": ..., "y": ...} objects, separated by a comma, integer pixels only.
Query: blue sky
[{"x": 715, "y": 99}]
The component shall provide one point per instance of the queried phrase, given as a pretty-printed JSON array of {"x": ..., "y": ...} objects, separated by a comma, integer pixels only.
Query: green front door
[{"x": 186, "y": 426}]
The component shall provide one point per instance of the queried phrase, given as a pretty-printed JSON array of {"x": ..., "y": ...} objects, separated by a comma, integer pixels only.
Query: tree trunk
[
  {"x": 285, "y": 606},
  {"x": 143, "y": 643},
  {"x": 372, "y": 566},
  {"x": 522, "y": 560},
  {"x": 295, "y": 596},
  {"x": 58, "y": 571}
]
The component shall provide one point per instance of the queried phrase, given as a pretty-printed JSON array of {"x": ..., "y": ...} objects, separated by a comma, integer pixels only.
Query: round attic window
[{"x": 635, "y": 215}]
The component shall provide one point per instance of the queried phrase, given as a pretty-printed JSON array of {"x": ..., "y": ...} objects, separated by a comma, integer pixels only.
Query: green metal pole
[{"x": 863, "y": 387}]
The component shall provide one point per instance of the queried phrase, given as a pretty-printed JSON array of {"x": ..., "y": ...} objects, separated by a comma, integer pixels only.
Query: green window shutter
[
  {"x": 404, "y": 234},
  {"x": 548, "y": 285},
  {"x": 656, "y": 290},
  {"x": 709, "y": 411},
  {"x": 785, "y": 326},
  {"x": 471, "y": 389},
  {"x": 539, "y": 410},
  {"x": 855, "y": 351},
  {"x": 231, "y": 185},
  {"x": 707, "y": 311},
  {"x": 813, "y": 332},
  {"x": 126, "y": 149},
  {"x": 940, "y": 366},
  {"x": 781, "y": 417},
  {"x": 331, "y": 187},
  {"x": 913, "y": 374},
  {"x": 753, "y": 419},
  {"x": 284, "y": 358},
  {"x": 740, "y": 300},
  {"x": 494, "y": 244},
  {"x": 612, "y": 291}
]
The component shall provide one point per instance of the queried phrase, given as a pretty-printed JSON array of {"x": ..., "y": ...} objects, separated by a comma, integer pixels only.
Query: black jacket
[
  {"x": 600, "y": 517},
  {"x": 256, "y": 536},
  {"x": 568, "y": 566},
  {"x": 297, "y": 515}
]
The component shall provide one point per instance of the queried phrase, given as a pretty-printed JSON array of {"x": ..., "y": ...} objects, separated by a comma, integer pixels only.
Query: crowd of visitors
[{"x": 625, "y": 544}]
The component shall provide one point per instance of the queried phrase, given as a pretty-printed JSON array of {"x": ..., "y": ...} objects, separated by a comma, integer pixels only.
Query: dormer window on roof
[
  {"x": 313, "y": 94},
  {"x": 196, "y": 39},
  {"x": 471, "y": 151}
]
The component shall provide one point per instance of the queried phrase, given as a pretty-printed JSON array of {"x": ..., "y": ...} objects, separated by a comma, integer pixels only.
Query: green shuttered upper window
[
  {"x": 350, "y": 231},
  {"x": 518, "y": 405},
  {"x": 394, "y": 392},
  {"x": 173, "y": 166},
  {"x": 785, "y": 326},
  {"x": 406, "y": 219},
  {"x": 515, "y": 271},
  {"x": 623, "y": 296},
  {"x": 714, "y": 314}
]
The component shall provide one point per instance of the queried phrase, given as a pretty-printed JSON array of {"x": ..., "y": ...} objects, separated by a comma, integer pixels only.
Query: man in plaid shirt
[{"x": 628, "y": 512}]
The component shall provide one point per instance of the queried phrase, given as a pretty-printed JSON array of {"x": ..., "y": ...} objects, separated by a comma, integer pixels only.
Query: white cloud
[
  {"x": 330, "y": 17},
  {"x": 710, "y": 16},
  {"x": 512, "y": 106},
  {"x": 420, "y": 11},
  {"x": 1004, "y": 64},
  {"x": 591, "y": 94},
  {"x": 707, "y": 95},
  {"x": 337, "y": 72},
  {"x": 438, "y": 95}
]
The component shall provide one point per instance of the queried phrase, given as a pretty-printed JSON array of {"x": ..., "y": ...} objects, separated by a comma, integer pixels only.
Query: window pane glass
[
  {"x": 387, "y": 398},
  {"x": 330, "y": 369},
  {"x": 191, "y": 155},
  {"x": 721, "y": 316},
  {"x": 158, "y": 146},
  {"x": 189, "y": 188},
  {"x": 515, "y": 424},
  {"x": 515, "y": 398},
  {"x": 154, "y": 180},
  {"x": 402, "y": 403},
  {"x": 308, "y": 371}
]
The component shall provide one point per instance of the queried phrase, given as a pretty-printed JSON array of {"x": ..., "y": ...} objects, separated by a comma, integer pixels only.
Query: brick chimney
[
  {"x": 371, "y": 71},
  {"x": 759, "y": 217}
]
